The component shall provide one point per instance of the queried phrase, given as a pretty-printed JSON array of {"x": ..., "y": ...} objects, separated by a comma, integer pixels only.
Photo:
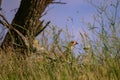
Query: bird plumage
[{"x": 67, "y": 54}]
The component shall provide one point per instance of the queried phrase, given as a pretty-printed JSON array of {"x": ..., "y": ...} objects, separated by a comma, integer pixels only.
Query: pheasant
[{"x": 67, "y": 54}]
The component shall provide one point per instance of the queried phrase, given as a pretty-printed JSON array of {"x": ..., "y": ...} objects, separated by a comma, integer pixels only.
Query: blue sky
[
  {"x": 71, "y": 14},
  {"x": 75, "y": 9}
]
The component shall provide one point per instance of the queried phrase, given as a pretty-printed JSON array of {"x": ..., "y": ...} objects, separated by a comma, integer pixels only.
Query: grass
[
  {"x": 96, "y": 59},
  {"x": 94, "y": 64}
]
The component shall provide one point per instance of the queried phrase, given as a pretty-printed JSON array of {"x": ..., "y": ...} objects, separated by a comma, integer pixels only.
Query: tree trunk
[
  {"x": 26, "y": 23},
  {"x": 0, "y": 4}
]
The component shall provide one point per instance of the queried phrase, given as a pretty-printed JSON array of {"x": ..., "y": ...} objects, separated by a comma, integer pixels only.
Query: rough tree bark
[
  {"x": 0, "y": 4},
  {"x": 26, "y": 24}
]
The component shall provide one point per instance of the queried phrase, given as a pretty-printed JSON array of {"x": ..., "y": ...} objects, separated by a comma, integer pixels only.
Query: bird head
[{"x": 72, "y": 44}]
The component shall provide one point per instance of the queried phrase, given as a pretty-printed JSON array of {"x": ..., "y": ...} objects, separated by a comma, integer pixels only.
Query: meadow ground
[{"x": 95, "y": 63}]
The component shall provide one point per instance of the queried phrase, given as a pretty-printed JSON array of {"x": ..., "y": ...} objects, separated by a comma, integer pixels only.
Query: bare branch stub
[{"x": 58, "y": 3}]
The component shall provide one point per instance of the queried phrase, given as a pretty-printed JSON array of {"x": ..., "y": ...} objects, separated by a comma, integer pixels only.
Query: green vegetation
[
  {"x": 97, "y": 57},
  {"x": 96, "y": 63}
]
